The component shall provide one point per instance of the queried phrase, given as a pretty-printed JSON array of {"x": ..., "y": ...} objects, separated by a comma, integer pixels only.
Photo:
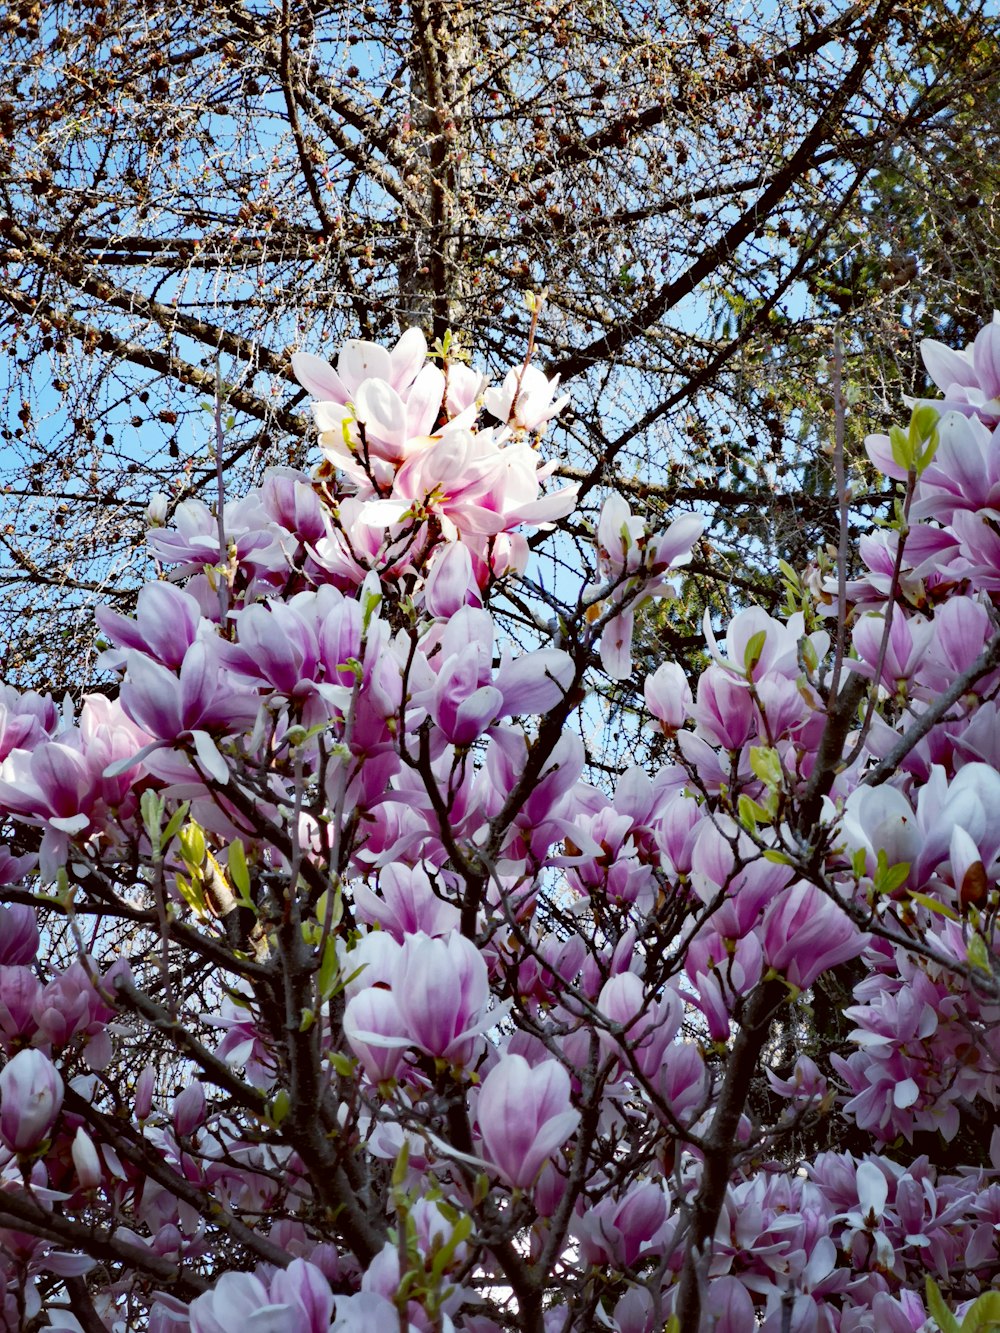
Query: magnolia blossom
[
  {"x": 803, "y": 934},
  {"x": 526, "y": 399},
  {"x": 865, "y": 1223},
  {"x": 970, "y": 380},
  {"x": 668, "y": 696},
  {"x": 31, "y": 1096},
  {"x": 86, "y": 1160},
  {"x": 616, "y": 1230},
  {"x": 525, "y": 1116},
  {"x": 18, "y": 930},
  {"x": 442, "y": 990},
  {"x": 296, "y": 1300}
]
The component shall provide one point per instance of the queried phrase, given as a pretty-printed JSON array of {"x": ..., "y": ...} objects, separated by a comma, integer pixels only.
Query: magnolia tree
[{"x": 333, "y": 994}]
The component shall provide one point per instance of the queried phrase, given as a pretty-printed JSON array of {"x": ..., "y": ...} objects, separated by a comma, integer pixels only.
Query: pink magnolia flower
[
  {"x": 525, "y": 1116},
  {"x": 25, "y": 719},
  {"x": 31, "y": 1095},
  {"x": 376, "y": 1032},
  {"x": 145, "y": 1086},
  {"x": 964, "y": 473},
  {"x": 202, "y": 696},
  {"x": 407, "y": 904},
  {"x": 18, "y": 931},
  {"x": 534, "y": 682},
  {"x": 373, "y": 1024},
  {"x": 442, "y": 990},
  {"x": 969, "y": 380},
  {"x": 526, "y": 399},
  {"x": 298, "y": 1299},
  {"x": 970, "y": 800},
  {"x": 621, "y": 538},
  {"x": 804, "y": 932},
  {"x": 724, "y": 710},
  {"x": 53, "y": 784},
  {"x": 166, "y": 623},
  {"x": 806, "y": 1085},
  {"x": 20, "y": 991},
  {"x": 13, "y": 870},
  {"x": 366, "y": 1311},
  {"x": 881, "y": 819},
  {"x": 450, "y": 583},
  {"x": 616, "y": 645},
  {"x": 188, "y": 1112},
  {"x": 459, "y": 705},
  {"x": 668, "y": 696},
  {"x": 617, "y": 1231},
  {"x": 649, "y": 1028},
  {"x": 906, "y": 649},
  {"x": 730, "y": 1306},
  {"x": 865, "y": 1224},
  {"x": 778, "y": 651},
  {"x": 360, "y": 361},
  {"x": 192, "y": 540},
  {"x": 289, "y": 498},
  {"x": 476, "y": 486},
  {"x": 86, "y": 1160}
]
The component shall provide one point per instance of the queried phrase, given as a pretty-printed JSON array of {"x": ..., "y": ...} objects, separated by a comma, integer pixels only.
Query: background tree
[{"x": 188, "y": 195}]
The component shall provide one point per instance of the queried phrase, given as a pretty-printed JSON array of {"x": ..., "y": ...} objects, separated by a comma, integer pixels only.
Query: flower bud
[
  {"x": 18, "y": 935},
  {"x": 189, "y": 1109},
  {"x": 144, "y": 1093},
  {"x": 31, "y": 1095},
  {"x": 86, "y": 1160}
]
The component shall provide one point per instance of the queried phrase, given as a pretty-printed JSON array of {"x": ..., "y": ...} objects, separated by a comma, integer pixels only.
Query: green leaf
[
  {"x": 903, "y": 453},
  {"x": 889, "y": 878},
  {"x": 176, "y": 820},
  {"x": 789, "y": 573},
  {"x": 750, "y": 813},
  {"x": 915, "y": 449},
  {"x": 281, "y": 1104},
  {"x": 329, "y": 913},
  {"x": 151, "y": 805},
  {"x": 401, "y": 1165},
  {"x": 328, "y": 979},
  {"x": 342, "y": 1064},
  {"x": 984, "y": 1315},
  {"x": 752, "y": 652},
  {"x": 193, "y": 894},
  {"x": 923, "y": 424},
  {"x": 932, "y": 905},
  {"x": 444, "y": 1256},
  {"x": 777, "y": 858},
  {"x": 927, "y": 457},
  {"x": 370, "y": 603},
  {"x": 766, "y": 765},
  {"x": 480, "y": 1189},
  {"x": 192, "y": 841},
  {"x": 977, "y": 952},
  {"x": 946, "y": 1321},
  {"x": 65, "y": 891},
  {"x": 238, "y": 872}
]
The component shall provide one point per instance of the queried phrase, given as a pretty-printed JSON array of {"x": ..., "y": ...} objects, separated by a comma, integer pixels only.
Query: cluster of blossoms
[{"x": 335, "y": 995}]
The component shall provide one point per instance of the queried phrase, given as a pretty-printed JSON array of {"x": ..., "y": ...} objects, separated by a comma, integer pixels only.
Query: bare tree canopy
[{"x": 190, "y": 193}]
